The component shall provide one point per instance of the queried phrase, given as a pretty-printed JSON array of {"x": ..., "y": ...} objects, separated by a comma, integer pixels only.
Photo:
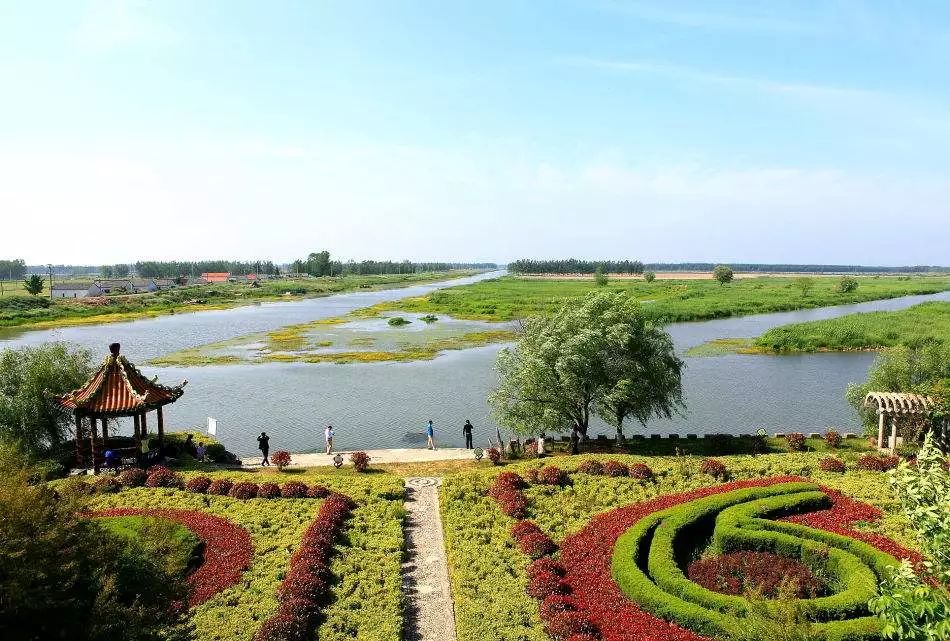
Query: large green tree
[
  {"x": 33, "y": 284},
  {"x": 26, "y": 375},
  {"x": 723, "y": 273},
  {"x": 600, "y": 357}
]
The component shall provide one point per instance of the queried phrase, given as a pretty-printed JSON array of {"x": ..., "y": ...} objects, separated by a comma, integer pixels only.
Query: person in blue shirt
[{"x": 430, "y": 435}]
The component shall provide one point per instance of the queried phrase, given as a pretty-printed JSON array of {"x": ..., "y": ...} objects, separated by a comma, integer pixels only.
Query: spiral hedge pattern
[{"x": 649, "y": 557}]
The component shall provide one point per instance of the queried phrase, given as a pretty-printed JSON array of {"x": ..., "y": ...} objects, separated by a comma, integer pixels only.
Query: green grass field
[
  {"x": 914, "y": 326},
  {"x": 511, "y": 297},
  {"x": 15, "y": 311}
]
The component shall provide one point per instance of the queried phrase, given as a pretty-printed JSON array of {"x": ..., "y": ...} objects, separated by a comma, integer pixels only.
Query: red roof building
[
  {"x": 116, "y": 389},
  {"x": 216, "y": 277}
]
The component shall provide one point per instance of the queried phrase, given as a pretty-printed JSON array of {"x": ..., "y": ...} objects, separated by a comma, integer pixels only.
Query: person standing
[
  {"x": 575, "y": 440},
  {"x": 541, "y": 445},
  {"x": 328, "y": 435},
  {"x": 467, "y": 431},
  {"x": 263, "y": 444},
  {"x": 430, "y": 435}
]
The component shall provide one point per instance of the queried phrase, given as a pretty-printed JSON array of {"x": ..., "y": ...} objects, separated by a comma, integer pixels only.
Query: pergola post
[
  {"x": 94, "y": 450},
  {"x": 137, "y": 429},
  {"x": 79, "y": 436},
  {"x": 880, "y": 428},
  {"x": 161, "y": 427},
  {"x": 893, "y": 434},
  {"x": 144, "y": 425}
]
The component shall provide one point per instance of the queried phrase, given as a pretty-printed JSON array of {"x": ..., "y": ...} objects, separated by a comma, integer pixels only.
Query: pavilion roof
[
  {"x": 899, "y": 402},
  {"x": 118, "y": 388}
]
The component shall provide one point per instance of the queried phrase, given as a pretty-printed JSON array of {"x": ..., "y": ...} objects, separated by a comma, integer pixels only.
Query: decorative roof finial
[{"x": 114, "y": 348}]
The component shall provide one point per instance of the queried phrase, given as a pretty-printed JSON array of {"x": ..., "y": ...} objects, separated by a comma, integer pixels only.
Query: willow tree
[{"x": 601, "y": 357}]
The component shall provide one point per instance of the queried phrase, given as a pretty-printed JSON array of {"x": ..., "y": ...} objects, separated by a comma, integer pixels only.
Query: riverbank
[
  {"x": 196, "y": 298},
  {"x": 511, "y": 297}
]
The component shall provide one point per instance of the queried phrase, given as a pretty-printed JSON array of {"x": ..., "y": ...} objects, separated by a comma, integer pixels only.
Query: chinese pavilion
[{"x": 116, "y": 389}]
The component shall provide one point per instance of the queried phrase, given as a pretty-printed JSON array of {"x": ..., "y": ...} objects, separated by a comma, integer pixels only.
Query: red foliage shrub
[
  {"x": 132, "y": 477},
  {"x": 220, "y": 486},
  {"x": 594, "y": 468},
  {"x": 160, "y": 476},
  {"x": 281, "y": 459},
  {"x": 506, "y": 490},
  {"x": 714, "y": 468},
  {"x": 545, "y": 584},
  {"x": 641, "y": 471},
  {"x": 796, "y": 441},
  {"x": 494, "y": 455},
  {"x": 243, "y": 490},
  {"x": 228, "y": 548},
  {"x": 317, "y": 492},
  {"x": 552, "y": 475},
  {"x": 268, "y": 491},
  {"x": 508, "y": 480},
  {"x": 563, "y": 625},
  {"x": 877, "y": 463},
  {"x": 537, "y": 545},
  {"x": 106, "y": 485},
  {"x": 615, "y": 468},
  {"x": 360, "y": 461},
  {"x": 737, "y": 572},
  {"x": 833, "y": 439},
  {"x": 556, "y": 603},
  {"x": 544, "y": 564},
  {"x": 831, "y": 464},
  {"x": 293, "y": 490},
  {"x": 533, "y": 476},
  {"x": 524, "y": 528},
  {"x": 305, "y": 587},
  {"x": 198, "y": 484}
]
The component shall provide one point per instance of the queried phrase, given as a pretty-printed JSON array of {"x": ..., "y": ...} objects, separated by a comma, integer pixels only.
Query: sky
[{"x": 777, "y": 132}]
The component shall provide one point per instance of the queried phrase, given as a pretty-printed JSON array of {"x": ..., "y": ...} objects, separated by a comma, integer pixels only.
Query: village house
[
  {"x": 104, "y": 286},
  {"x": 216, "y": 277},
  {"x": 71, "y": 290}
]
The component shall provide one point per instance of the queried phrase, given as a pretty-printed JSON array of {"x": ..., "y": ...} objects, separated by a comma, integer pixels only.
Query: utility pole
[{"x": 50, "y": 267}]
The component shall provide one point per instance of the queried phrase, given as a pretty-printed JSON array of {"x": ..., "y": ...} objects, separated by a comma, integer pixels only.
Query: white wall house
[{"x": 71, "y": 290}]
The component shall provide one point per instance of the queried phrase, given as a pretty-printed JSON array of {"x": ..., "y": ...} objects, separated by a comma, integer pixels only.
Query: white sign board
[{"x": 212, "y": 426}]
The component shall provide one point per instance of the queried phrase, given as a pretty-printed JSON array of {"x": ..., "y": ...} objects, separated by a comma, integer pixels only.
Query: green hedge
[{"x": 648, "y": 560}]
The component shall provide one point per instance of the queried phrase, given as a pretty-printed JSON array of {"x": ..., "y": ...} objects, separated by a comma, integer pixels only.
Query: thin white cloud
[{"x": 107, "y": 25}]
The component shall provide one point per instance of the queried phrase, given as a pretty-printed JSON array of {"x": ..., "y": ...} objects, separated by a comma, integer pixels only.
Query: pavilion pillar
[
  {"x": 144, "y": 425},
  {"x": 79, "y": 439},
  {"x": 136, "y": 430},
  {"x": 880, "y": 428},
  {"x": 94, "y": 450},
  {"x": 893, "y": 434},
  {"x": 105, "y": 434},
  {"x": 161, "y": 427}
]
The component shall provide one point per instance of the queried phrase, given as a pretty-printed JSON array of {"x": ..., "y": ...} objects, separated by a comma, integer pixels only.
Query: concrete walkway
[
  {"x": 377, "y": 457},
  {"x": 430, "y": 615}
]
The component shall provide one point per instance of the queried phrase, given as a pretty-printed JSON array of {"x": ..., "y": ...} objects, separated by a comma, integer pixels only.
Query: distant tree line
[
  {"x": 120, "y": 270},
  {"x": 785, "y": 268},
  {"x": 173, "y": 268},
  {"x": 12, "y": 269},
  {"x": 575, "y": 266},
  {"x": 320, "y": 264}
]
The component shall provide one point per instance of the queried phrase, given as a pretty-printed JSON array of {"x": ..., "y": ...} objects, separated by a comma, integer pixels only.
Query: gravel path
[
  {"x": 377, "y": 457},
  {"x": 425, "y": 577}
]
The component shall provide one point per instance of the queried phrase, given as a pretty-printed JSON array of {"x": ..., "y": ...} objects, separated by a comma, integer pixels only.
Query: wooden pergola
[
  {"x": 116, "y": 389},
  {"x": 896, "y": 405}
]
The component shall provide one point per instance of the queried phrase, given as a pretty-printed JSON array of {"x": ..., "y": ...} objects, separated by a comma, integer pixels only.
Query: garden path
[{"x": 430, "y": 615}]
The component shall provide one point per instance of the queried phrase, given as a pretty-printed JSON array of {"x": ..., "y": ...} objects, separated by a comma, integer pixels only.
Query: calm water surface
[{"x": 387, "y": 404}]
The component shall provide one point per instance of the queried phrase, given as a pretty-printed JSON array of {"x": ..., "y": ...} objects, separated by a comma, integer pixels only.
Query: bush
[
  {"x": 552, "y": 475},
  {"x": 877, "y": 463},
  {"x": 536, "y": 545},
  {"x": 544, "y": 564},
  {"x": 615, "y": 468},
  {"x": 243, "y": 490},
  {"x": 360, "y": 461},
  {"x": 555, "y": 604},
  {"x": 132, "y": 477},
  {"x": 494, "y": 455},
  {"x": 795, "y": 441},
  {"x": 106, "y": 485},
  {"x": 740, "y": 572},
  {"x": 641, "y": 471},
  {"x": 217, "y": 453},
  {"x": 544, "y": 584},
  {"x": 160, "y": 476},
  {"x": 833, "y": 439},
  {"x": 293, "y": 490},
  {"x": 831, "y": 464},
  {"x": 714, "y": 468},
  {"x": 847, "y": 284},
  {"x": 198, "y": 484},
  {"x": 594, "y": 468},
  {"x": 317, "y": 492},
  {"x": 220, "y": 487},
  {"x": 268, "y": 491},
  {"x": 281, "y": 459},
  {"x": 564, "y": 625}
]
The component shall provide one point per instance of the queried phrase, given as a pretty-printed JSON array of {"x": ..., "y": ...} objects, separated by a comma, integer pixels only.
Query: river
[{"x": 379, "y": 405}]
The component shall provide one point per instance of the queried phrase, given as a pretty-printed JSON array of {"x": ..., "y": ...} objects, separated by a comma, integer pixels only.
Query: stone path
[
  {"x": 378, "y": 457},
  {"x": 425, "y": 577}
]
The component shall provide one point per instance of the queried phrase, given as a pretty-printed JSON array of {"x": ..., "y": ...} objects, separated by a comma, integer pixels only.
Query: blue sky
[{"x": 735, "y": 131}]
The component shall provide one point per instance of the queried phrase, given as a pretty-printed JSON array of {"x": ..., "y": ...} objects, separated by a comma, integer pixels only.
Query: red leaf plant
[
  {"x": 831, "y": 464},
  {"x": 615, "y": 468},
  {"x": 714, "y": 468},
  {"x": 198, "y": 484},
  {"x": 293, "y": 490},
  {"x": 268, "y": 491},
  {"x": 306, "y": 585},
  {"x": 552, "y": 475},
  {"x": 594, "y": 468},
  {"x": 228, "y": 547},
  {"x": 641, "y": 471}
]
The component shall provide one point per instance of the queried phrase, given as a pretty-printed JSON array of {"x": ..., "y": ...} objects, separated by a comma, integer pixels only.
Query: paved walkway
[
  {"x": 430, "y": 615},
  {"x": 377, "y": 457}
]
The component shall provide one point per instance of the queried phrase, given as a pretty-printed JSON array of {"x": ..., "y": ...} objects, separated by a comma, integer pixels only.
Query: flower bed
[
  {"x": 736, "y": 573},
  {"x": 227, "y": 554}
]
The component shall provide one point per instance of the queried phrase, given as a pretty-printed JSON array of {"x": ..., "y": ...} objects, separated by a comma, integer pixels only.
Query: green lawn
[
  {"x": 914, "y": 326},
  {"x": 512, "y": 297},
  {"x": 157, "y": 538}
]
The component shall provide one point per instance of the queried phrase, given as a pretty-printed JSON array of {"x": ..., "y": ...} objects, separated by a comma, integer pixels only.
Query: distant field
[
  {"x": 14, "y": 288},
  {"x": 914, "y": 326},
  {"x": 677, "y": 275},
  {"x": 511, "y": 297}
]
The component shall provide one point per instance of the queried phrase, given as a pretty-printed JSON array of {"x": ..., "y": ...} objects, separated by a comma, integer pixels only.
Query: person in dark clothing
[
  {"x": 575, "y": 440},
  {"x": 190, "y": 444},
  {"x": 263, "y": 444},
  {"x": 467, "y": 431}
]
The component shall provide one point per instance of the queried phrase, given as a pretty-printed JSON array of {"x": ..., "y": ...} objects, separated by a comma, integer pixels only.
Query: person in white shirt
[
  {"x": 328, "y": 435},
  {"x": 541, "y": 444}
]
